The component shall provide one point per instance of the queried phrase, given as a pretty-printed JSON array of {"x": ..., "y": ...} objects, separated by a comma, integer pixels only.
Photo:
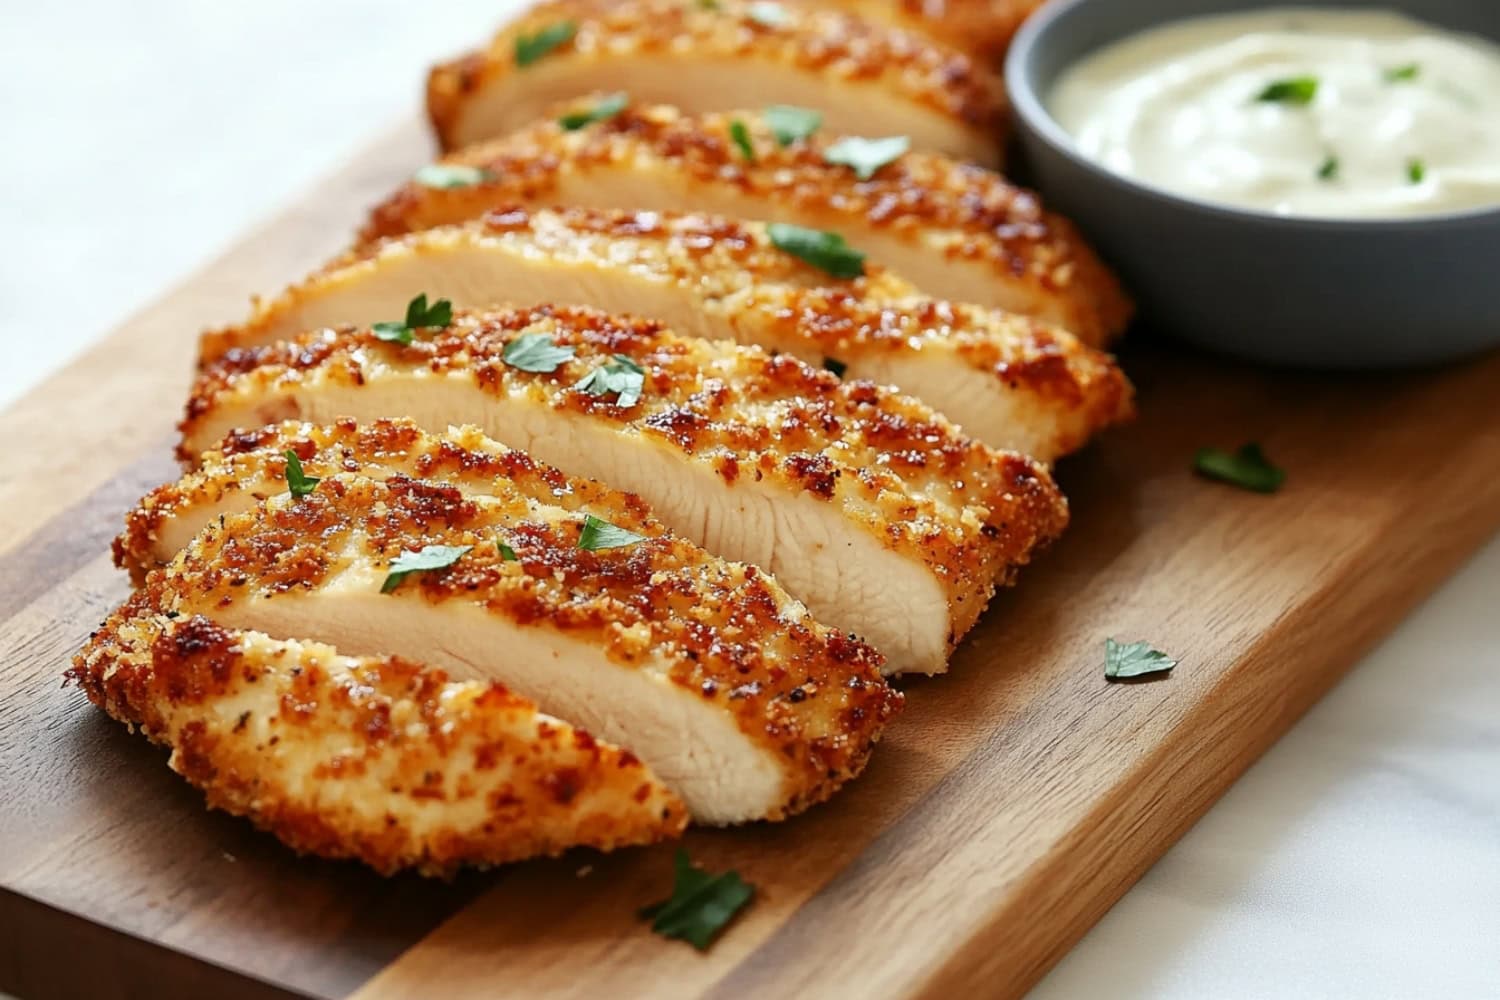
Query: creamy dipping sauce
[{"x": 1338, "y": 114}]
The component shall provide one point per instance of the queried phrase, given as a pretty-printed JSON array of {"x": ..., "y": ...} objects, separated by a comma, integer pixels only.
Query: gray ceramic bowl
[{"x": 1303, "y": 292}]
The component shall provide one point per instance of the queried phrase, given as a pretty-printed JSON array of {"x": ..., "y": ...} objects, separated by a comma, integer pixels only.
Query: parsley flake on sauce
[
  {"x": 701, "y": 904},
  {"x": 429, "y": 557},
  {"x": 1416, "y": 170},
  {"x": 1247, "y": 468},
  {"x": 298, "y": 483},
  {"x": 866, "y": 156},
  {"x": 619, "y": 375},
  {"x": 599, "y": 534},
  {"x": 1123, "y": 661},
  {"x": 530, "y": 48},
  {"x": 824, "y": 250},
  {"x": 1296, "y": 90},
  {"x": 419, "y": 315},
  {"x": 1402, "y": 74},
  {"x": 536, "y": 352},
  {"x": 1329, "y": 171}
]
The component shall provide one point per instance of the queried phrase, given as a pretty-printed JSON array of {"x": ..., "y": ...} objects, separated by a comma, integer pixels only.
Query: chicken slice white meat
[
  {"x": 867, "y": 505},
  {"x": 377, "y": 759},
  {"x": 861, "y": 75},
  {"x": 728, "y": 690},
  {"x": 954, "y": 230},
  {"x": 1009, "y": 380}
]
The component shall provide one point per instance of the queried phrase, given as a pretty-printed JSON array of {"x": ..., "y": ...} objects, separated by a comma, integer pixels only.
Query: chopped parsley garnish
[
  {"x": 536, "y": 352},
  {"x": 835, "y": 365},
  {"x": 1402, "y": 74},
  {"x": 1416, "y": 171},
  {"x": 1329, "y": 171},
  {"x": 1298, "y": 90},
  {"x": 607, "y": 108},
  {"x": 530, "y": 48},
  {"x": 507, "y": 553},
  {"x": 866, "y": 156},
  {"x": 446, "y": 176},
  {"x": 298, "y": 483},
  {"x": 1123, "y": 661},
  {"x": 429, "y": 557},
  {"x": 621, "y": 375},
  {"x": 792, "y": 124},
  {"x": 419, "y": 315},
  {"x": 741, "y": 136},
  {"x": 600, "y": 534},
  {"x": 818, "y": 248},
  {"x": 767, "y": 15},
  {"x": 1246, "y": 468},
  {"x": 701, "y": 904}
]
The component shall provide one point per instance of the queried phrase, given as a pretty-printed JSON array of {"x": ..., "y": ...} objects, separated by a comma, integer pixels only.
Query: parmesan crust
[
  {"x": 956, "y": 230},
  {"x": 377, "y": 759}
]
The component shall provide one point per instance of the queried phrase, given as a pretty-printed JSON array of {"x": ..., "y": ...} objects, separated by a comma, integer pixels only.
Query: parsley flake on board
[
  {"x": 767, "y": 15},
  {"x": 429, "y": 557},
  {"x": 835, "y": 365},
  {"x": 1402, "y": 74},
  {"x": 741, "y": 136},
  {"x": 536, "y": 352},
  {"x": 827, "y": 251},
  {"x": 1122, "y": 661},
  {"x": 1297, "y": 90},
  {"x": 418, "y": 316},
  {"x": 298, "y": 483},
  {"x": 620, "y": 375},
  {"x": 606, "y": 109},
  {"x": 791, "y": 124},
  {"x": 1329, "y": 171},
  {"x": 599, "y": 534},
  {"x": 701, "y": 904},
  {"x": 447, "y": 176},
  {"x": 530, "y": 48},
  {"x": 1247, "y": 468},
  {"x": 866, "y": 156}
]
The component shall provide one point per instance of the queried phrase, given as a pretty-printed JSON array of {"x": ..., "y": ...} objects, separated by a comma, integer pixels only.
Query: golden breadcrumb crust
[
  {"x": 955, "y": 210},
  {"x": 892, "y": 465},
  {"x": 983, "y": 27},
  {"x": 732, "y": 270},
  {"x": 250, "y": 466},
  {"x": 722, "y": 633},
  {"x": 375, "y": 759},
  {"x": 832, "y": 44}
]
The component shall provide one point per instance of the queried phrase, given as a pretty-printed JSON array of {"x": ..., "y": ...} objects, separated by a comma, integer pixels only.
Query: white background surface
[{"x": 1360, "y": 859}]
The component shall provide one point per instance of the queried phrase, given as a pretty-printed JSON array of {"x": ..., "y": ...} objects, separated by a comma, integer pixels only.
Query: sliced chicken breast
[
  {"x": 248, "y": 467},
  {"x": 867, "y": 505},
  {"x": 981, "y": 27},
  {"x": 955, "y": 230},
  {"x": 376, "y": 759},
  {"x": 727, "y": 689},
  {"x": 1011, "y": 381},
  {"x": 863, "y": 76}
]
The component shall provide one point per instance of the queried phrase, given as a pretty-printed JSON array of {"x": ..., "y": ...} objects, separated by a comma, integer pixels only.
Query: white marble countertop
[{"x": 1359, "y": 859}]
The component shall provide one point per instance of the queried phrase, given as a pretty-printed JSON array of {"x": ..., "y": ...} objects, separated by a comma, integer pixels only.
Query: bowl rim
[{"x": 1032, "y": 111}]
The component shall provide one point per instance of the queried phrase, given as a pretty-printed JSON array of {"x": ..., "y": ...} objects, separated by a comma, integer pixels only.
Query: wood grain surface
[{"x": 1011, "y": 804}]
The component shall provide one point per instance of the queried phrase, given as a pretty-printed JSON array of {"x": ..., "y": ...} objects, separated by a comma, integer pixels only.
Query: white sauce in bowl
[{"x": 1328, "y": 113}]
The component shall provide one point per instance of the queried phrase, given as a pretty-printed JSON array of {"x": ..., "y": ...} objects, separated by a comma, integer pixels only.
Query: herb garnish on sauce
[{"x": 1297, "y": 90}]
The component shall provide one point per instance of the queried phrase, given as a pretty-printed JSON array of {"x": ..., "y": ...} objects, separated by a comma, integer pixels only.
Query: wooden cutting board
[{"x": 1011, "y": 804}]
